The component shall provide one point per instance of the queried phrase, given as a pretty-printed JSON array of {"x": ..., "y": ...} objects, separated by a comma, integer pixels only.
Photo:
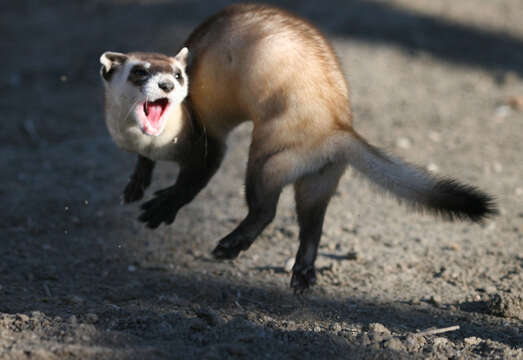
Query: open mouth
[{"x": 150, "y": 116}]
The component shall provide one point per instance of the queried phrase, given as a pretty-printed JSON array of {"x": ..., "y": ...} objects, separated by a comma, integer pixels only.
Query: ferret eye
[
  {"x": 139, "y": 71},
  {"x": 178, "y": 75}
]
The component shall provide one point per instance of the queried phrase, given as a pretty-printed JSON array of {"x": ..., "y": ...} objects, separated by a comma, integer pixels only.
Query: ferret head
[{"x": 141, "y": 89}]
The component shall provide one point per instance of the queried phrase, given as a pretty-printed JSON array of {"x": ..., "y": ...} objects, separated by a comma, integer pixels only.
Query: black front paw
[
  {"x": 160, "y": 209},
  {"x": 133, "y": 191}
]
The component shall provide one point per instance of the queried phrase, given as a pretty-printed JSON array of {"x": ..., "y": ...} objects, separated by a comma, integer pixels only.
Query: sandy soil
[{"x": 80, "y": 278}]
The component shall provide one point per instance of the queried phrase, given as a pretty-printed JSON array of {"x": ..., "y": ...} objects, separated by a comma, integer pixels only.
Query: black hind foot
[
  {"x": 230, "y": 246},
  {"x": 302, "y": 280},
  {"x": 226, "y": 253}
]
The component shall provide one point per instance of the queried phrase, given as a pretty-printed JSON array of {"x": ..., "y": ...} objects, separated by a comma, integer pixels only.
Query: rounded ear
[
  {"x": 110, "y": 62},
  {"x": 182, "y": 57}
]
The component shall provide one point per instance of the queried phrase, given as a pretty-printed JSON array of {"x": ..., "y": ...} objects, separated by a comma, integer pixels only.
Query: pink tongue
[{"x": 154, "y": 112}]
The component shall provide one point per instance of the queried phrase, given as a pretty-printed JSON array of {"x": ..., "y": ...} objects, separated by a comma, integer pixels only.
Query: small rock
[
  {"x": 22, "y": 317},
  {"x": 378, "y": 332},
  {"x": 471, "y": 341},
  {"x": 506, "y": 305},
  {"x": 91, "y": 318},
  {"x": 489, "y": 289},
  {"x": 37, "y": 314},
  {"x": 198, "y": 325},
  {"x": 164, "y": 327},
  {"x": 515, "y": 102},
  {"x": 74, "y": 299},
  {"x": 336, "y": 327},
  {"x": 174, "y": 299},
  {"x": 414, "y": 343},
  {"x": 365, "y": 339},
  {"x": 394, "y": 344},
  {"x": 351, "y": 255},
  {"x": 378, "y": 328},
  {"x": 339, "y": 340},
  {"x": 209, "y": 316},
  {"x": 435, "y": 299},
  {"x": 235, "y": 349},
  {"x": 503, "y": 111},
  {"x": 289, "y": 263},
  {"x": 403, "y": 143},
  {"x": 435, "y": 136},
  {"x": 432, "y": 167},
  {"x": 440, "y": 341},
  {"x": 454, "y": 247}
]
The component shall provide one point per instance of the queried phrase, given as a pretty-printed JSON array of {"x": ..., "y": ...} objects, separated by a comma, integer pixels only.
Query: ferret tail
[{"x": 445, "y": 197}]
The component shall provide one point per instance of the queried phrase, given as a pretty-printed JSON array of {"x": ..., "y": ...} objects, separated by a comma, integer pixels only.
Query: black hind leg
[
  {"x": 262, "y": 199},
  {"x": 313, "y": 194}
]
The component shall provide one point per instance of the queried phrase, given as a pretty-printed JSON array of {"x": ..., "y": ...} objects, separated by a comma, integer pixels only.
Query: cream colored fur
[{"x": 121, "y": 99}]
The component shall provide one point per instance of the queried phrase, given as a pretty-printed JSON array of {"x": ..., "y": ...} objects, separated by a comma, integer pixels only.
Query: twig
[
  {"x": 437, "y": 331},
  {"x": 47, "y": 291}
]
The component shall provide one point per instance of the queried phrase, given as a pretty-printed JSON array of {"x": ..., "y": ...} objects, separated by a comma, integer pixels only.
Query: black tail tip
[{"x": 456, "y": 201}]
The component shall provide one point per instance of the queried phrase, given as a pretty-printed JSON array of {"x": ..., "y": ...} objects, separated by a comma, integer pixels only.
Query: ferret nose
[{"x": 166, "y": 85}]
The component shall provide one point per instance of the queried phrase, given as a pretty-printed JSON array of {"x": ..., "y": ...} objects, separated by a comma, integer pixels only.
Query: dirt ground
[{"x": 436, "y": 82}]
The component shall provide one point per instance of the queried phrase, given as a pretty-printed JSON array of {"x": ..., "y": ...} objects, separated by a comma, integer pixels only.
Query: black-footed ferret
[{"x": 258, "y": 63}]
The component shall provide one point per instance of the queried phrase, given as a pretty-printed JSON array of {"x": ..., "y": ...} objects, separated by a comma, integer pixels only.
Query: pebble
[
  {"x": 454, "y": 247},
  {"x": 403, "y": 143},
  {"x": 75, "y": 299},
  {"x": 336, "y": 327},
  {"x": 440, "y": 341},
  {"x": 289, "y": 263},
  {"x": 515, "y": 102},
  {"x": 365, "y": 339},
  {"x": 503, "y": 111},
  {"x": 235, "y": 349},
  {"x": 378, "y": 332},
  {"x": 378, "y": 328},
  {"x": 23, "y": 317},
  {"x": 432, "y": 167},
  {"x": 198, "y": 325},
  {"x": 394, "y": 344},
  {"x": 165, "y": 327},
  {"x": 339, "y": 340},
  {"x": 174, "y": 300},
  {"x": 352, "y": 255},
  {"x": 472, "y": 340},
  {"x": 435, "y": 136},
  {"x": 91, "y": 318},
  {"x": 209, "y": 316},
  {"x": 415, "y": 343},
  {"x": 506, "y": 305},
  {"x": 73, "y": 320},
  {"x": 435, "y": 299}
]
